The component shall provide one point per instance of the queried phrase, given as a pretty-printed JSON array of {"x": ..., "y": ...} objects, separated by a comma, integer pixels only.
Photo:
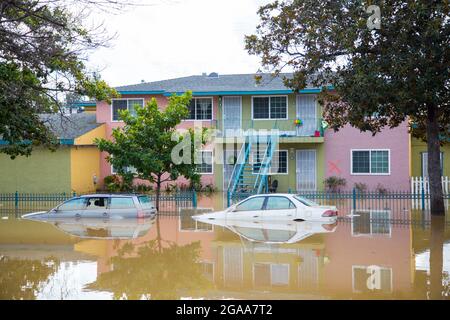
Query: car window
[
  {"x": 95, "y": 203},
  {"x": 279, "y": 203},
  {"x": 251, "y": 204},
  {"x": 145, "y": 202},
  {"x": 306, "y": 202},
  {"x": 74, "y": 204},
  {"x": 121, "y": 203}
]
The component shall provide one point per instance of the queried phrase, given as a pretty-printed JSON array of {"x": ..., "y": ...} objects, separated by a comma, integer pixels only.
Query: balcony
[{"x": 307, "y": 131}]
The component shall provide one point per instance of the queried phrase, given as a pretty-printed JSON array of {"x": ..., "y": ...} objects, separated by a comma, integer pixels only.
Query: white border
[
  {"x": 271, "y": 96},
  {"x": 370, "y": 163}
]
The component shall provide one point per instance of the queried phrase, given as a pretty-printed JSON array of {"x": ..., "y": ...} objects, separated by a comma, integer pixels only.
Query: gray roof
[
  {"x": 210, "y": 83},
  {"x": 70, "y": 126}
]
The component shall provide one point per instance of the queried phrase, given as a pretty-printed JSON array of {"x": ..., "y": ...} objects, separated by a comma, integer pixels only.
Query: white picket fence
[{"x": 420, "y": 187}]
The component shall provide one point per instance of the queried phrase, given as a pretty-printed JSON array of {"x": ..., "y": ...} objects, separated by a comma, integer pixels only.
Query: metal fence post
[
  {"x": 16, "y": 200},
  {"x": 194, "y": 199},
  {"x": 354, "y": 199}
]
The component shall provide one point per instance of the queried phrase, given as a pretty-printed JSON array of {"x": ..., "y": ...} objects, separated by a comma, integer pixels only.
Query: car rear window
[
  {"x": 121, "y": 203},
  {"x": 145, "y": 202}
]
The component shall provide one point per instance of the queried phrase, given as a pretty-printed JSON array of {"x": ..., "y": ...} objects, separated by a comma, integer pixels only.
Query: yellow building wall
[
  {"x": 88, "y": 138},
  {"x": 84, "y": 165}
]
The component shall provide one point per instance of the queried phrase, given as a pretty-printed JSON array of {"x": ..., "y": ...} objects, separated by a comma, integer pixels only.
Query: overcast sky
[{"x": 175, "y": 38}]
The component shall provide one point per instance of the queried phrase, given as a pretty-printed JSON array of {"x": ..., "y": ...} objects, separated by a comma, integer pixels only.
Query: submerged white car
[
  {"x": 274, "y": 232},
  {"x": 275, "y": 206}
]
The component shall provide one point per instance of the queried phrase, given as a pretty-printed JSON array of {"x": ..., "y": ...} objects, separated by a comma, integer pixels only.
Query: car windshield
[
  {"x": 306, "y": 202},
  {"x": 145, "y": 202}
]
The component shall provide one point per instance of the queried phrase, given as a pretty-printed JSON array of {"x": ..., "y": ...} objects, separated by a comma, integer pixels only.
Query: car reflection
[
  {"x": 104, "y": 228},
  {"x": 273, "y": 232}
]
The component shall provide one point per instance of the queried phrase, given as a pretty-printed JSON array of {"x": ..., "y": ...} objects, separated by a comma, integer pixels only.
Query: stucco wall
[
  {"x": 43, "y": 172},
  {"x": 338, "y": 146},
  {"x": 417, "y": 148},
  {"x": 85, "y": 163}
]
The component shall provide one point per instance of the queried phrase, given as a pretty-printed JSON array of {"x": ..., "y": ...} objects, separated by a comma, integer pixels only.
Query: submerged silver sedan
[{"x": 100, "y": 206}]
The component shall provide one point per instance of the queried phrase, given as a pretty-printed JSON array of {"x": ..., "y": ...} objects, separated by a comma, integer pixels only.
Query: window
[
  {"x": 95, "y": 203},
  {"x": 279, "y": 163},
  {"x": 121, "y": 203},
  {"x": 424, "y": 158},
  {"x": 126, "y": 169},
  {"x": 279, "y": 203},
  {"x": 74, "y": 204},
  {"x": 306, "y": 202},
  {"x": 125, "y": 104},
  {"x": 145, "y": 202},
  {"x": 200, "y": 109},
  {"x": 371, "y": 222},
  {"x": 370, "y": 162},
  {"x": 270, "y": 107},
  {"x": 270, "y": 274},
  {"x": 206, "y": 165},
  {"x": 251, "y": 204}
]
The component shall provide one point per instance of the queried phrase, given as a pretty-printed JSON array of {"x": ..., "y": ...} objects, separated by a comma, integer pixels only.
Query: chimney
[{"x": 204, "y": 74}]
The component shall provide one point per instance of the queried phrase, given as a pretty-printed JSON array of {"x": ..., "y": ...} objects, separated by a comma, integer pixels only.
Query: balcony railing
[{"x": 232, "y": 127}]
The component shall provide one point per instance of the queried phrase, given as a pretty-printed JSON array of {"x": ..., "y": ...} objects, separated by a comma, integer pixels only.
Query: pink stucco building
[
  {"x": 105, "y": 114},
  {"x": 359, "y": 157}
]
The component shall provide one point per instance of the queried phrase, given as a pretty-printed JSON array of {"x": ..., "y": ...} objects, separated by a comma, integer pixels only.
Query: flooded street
[{"x": 177, "y": 257}]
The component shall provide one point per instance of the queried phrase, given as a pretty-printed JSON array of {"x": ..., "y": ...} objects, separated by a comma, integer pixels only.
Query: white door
[
  {"x": 232, "y": 115},
  {"x": 306, "y": 170},
  {"x": 306, "y": 111}
]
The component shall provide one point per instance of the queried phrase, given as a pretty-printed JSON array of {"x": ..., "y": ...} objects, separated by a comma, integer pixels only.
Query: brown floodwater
[{"x": 175, "y": 257}]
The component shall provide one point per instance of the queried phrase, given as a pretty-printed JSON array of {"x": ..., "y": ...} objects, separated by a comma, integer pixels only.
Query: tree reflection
[
  {"x": 21, "y": 279},
  {"x": 436, "y": 257},
  {"x": 155, "y": 272}
]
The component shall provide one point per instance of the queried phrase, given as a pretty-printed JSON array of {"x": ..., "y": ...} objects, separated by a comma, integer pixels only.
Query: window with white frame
[
  {"x": 268, "y": 274},
  {"x": 424, "y": 161},
  {"x": 269, "y": 107},
  {"x": 370, "y": 162},
  {"x": 200, "y": 109},
  {"x": 279, "y": 163},
  {"x": 207, "y": 164},
  {"x": 125, "y": 104},
  {"x": 371, "y": 222},
  {"x": 126, "y": 169}
]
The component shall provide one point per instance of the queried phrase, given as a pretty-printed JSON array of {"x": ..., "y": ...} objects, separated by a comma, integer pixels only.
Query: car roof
[
  {"x": 273, "y": 194},
  {"x": 111, "y": 195}
]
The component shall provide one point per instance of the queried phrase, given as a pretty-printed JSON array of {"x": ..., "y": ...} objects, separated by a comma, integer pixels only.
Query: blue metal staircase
[{"x": 250, "y": 174}]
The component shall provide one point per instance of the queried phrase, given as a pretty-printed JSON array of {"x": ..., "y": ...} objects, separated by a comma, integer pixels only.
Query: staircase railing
[{"x": 239, "y": 165}]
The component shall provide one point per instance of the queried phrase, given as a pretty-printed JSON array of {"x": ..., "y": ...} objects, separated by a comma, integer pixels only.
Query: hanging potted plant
[{"x": 298, "y": 122}]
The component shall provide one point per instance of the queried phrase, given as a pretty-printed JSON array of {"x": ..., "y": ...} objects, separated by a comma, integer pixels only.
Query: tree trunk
[
  {"x": 158, "y": 191},
  {"x": 434, "y": 163}
]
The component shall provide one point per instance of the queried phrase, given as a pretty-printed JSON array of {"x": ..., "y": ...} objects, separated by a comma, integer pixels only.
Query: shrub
[
  {"x": 381, "y": 189},
  {"x": 360, "y": 187},
  {"x": 334, "y": 183}
]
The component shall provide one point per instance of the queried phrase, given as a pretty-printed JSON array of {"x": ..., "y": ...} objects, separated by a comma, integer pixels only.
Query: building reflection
[{"x": 366, "y": 256}]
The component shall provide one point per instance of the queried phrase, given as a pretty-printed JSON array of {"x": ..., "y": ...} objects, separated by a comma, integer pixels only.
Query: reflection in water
[
  {"x": 365, "y": 257},
  {"x": 21, "y": 279},
  {"x": 153, "y": 272}
]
